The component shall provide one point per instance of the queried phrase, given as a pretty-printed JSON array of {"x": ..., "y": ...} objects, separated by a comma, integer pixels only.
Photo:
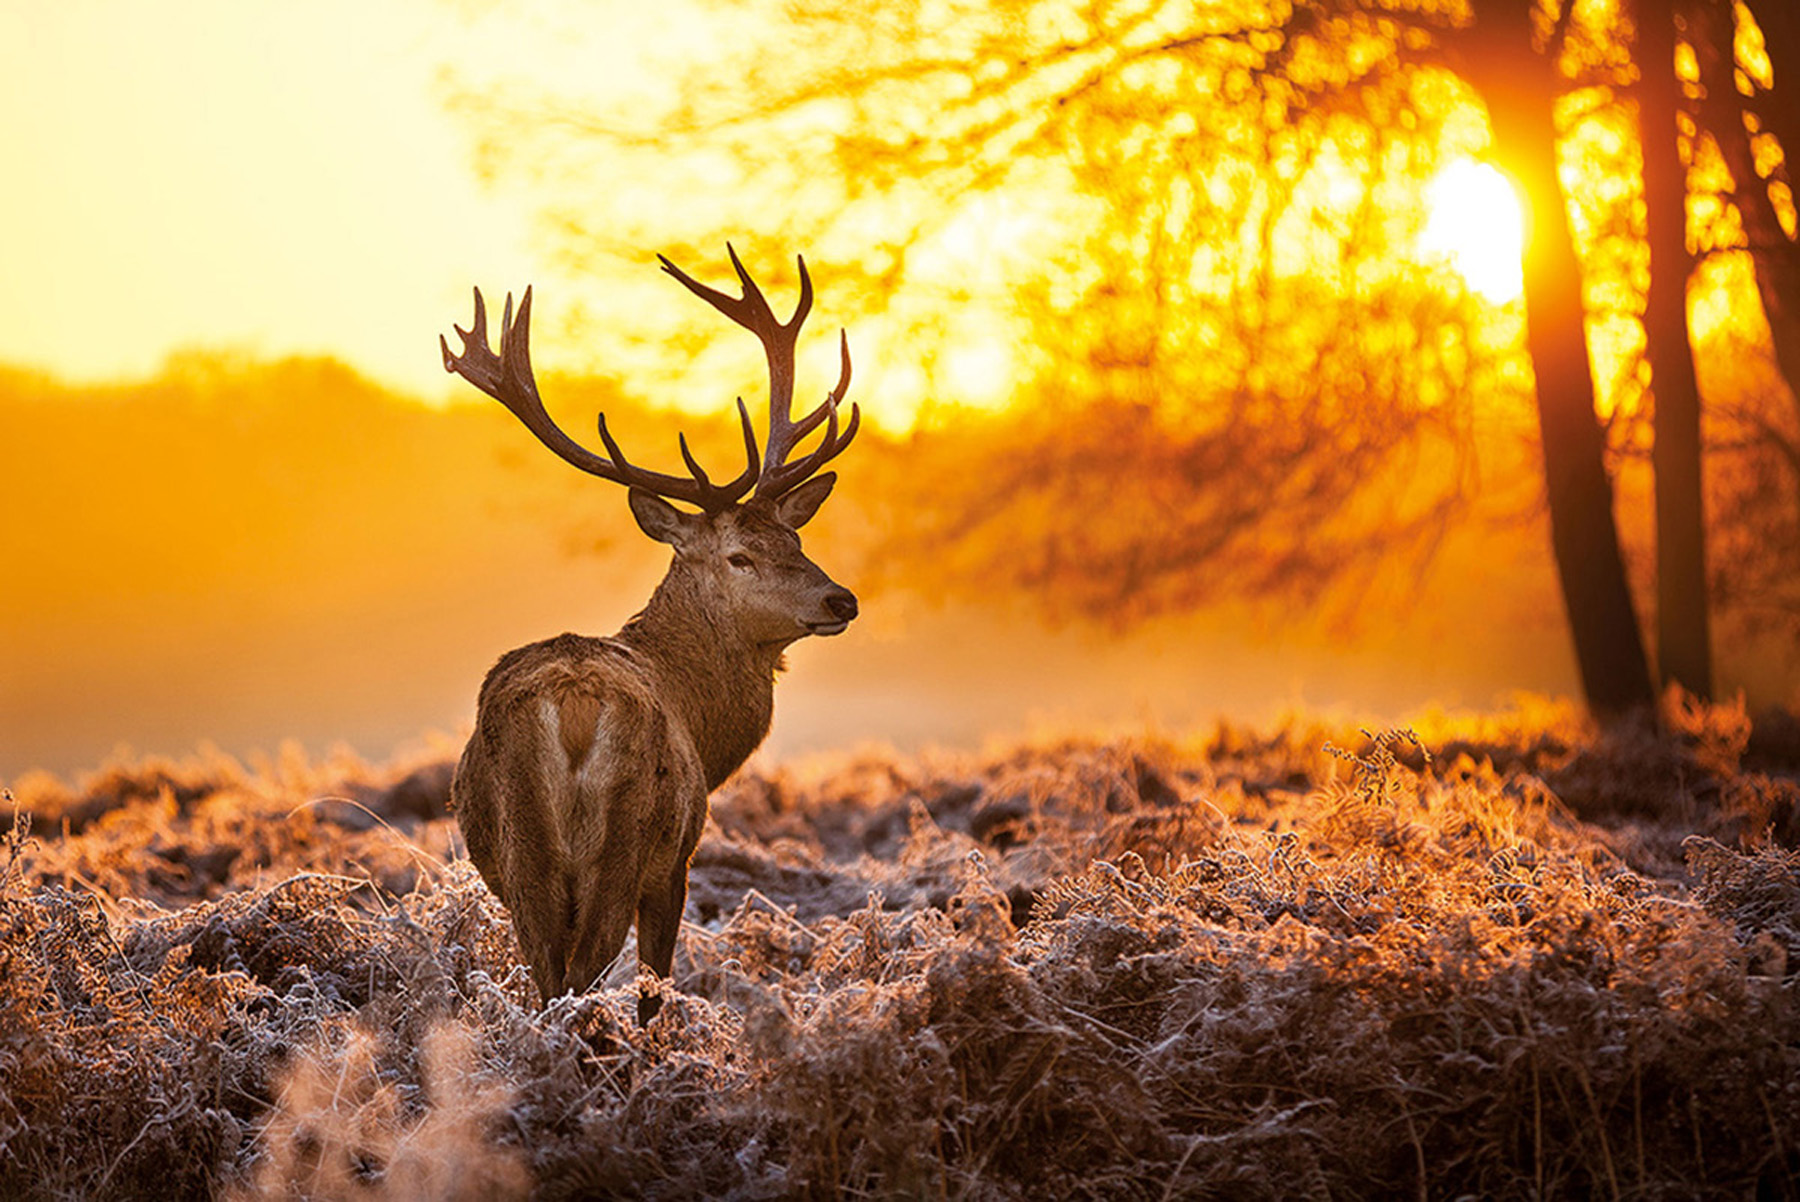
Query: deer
[{"x": 583, "y": 788}]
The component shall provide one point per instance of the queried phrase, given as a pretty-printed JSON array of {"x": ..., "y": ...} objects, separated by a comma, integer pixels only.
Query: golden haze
[
  {"x": 239, "y": 553},
  {"x": 244, "y": 548}
]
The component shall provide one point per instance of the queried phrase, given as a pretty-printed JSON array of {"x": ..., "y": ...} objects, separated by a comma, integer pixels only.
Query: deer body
[
  {"x": 579, "y": 802},
  {"x": 582, "y": 791}
]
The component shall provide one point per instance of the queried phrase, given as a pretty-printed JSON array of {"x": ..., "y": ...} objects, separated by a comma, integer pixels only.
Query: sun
[{"x": 1474, "y": 220}]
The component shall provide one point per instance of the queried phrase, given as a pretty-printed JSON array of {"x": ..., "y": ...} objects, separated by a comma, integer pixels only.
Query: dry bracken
[{"x": 1476, "y": 958}]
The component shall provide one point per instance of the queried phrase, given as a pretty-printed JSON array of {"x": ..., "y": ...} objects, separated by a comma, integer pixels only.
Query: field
[{"x": 1508, "y": 956}]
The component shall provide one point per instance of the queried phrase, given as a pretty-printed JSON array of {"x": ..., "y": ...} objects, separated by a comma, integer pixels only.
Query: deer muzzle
[{"x": 840, "y": 603}]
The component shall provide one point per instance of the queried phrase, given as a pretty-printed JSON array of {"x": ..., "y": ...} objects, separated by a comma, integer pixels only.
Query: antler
[
  {"x": 507, "y": 378},
  {"x": 753, "y": 313}
]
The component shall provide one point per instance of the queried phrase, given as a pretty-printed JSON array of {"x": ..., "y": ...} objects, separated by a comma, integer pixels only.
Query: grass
[{"x": 1507, "y": 956}]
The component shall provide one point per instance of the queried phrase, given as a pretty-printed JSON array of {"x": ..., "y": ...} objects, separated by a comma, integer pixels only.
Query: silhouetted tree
[
  {"x": 1214, "y": 306},
  {"x": 1683, "y": 638},
  {"x": 1743, "y": 103},
  {"x": 1754, "y": 118},
  {"x": 1513, "y": 65}
]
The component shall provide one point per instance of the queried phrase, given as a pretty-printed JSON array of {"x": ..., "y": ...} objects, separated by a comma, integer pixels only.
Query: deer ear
[
  {"x": 797, "y": 507},
  {"x": 657, "y": 518}
]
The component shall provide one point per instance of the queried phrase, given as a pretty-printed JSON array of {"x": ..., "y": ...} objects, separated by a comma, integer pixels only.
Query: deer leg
[
  {"x": 536, "y": 892},
  {"x": 602, "y": 919},
  {"x": 542, "y": 931},
  {"x": 603, "y": 911},
  {"x": 659, "y": 924}
]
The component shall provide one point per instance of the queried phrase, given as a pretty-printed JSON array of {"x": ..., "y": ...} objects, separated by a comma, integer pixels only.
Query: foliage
[
  {"x": 1246, "y": 964},
  {"x": 1189, "y": 232}
]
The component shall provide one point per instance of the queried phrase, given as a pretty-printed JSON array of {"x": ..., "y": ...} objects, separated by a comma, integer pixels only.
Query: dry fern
[{"x": 1242, "y": 967}]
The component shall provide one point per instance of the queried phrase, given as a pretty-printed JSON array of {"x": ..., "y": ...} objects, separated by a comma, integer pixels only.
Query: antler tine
[
  {"x": 752, "y": 311},
  {"x": 843, "y": 384},
  {"x": 810, "y": 422},
  {"x": 789, "y": 476},
  {"x": 778, "y": 477},
  {"x": 508, "y": 378}
]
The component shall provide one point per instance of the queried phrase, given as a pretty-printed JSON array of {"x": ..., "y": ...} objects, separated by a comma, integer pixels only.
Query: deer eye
[{"x": 740, "y": 561}]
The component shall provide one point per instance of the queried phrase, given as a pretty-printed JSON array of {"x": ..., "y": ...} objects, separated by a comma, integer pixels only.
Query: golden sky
[
  {"x": 289, "y": 178},
  {"x": 269, "y": 177},
  {"x": 292, "y": 179}
]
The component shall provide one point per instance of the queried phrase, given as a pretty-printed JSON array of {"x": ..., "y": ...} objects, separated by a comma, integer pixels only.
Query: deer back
[{"x": 563, "y": 726}]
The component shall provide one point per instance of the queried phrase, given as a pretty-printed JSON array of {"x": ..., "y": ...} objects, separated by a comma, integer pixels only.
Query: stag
[{"x": 583, "y": 788}]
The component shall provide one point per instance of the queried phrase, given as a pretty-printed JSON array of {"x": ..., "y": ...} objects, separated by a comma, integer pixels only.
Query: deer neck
[{"x": 722, "y": 685}]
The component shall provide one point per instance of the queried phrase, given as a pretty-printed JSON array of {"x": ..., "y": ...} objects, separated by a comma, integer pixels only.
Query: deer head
[{"x": 737, "y": 560}]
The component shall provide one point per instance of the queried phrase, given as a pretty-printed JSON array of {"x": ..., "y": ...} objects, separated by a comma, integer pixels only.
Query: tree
[
  {"x": 1740, "y": 91},
  {"x": 1684, "y": 639},
  {"x": 1519, "y": 81},
  {"x": 1749, "y": 108},
  {"x": 1226, "y": 301}
]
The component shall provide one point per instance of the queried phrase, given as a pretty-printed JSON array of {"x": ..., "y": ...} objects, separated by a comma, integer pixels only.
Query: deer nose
[{"x": 842, "y": 604}]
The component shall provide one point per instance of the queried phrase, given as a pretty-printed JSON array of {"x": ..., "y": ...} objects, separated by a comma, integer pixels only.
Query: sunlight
[
  {"x": 970, "y": 269},
  {"x": 979, "y": 373},
  {"x": 344, "y": 221},
  {"x": 1475, "y": 222}
]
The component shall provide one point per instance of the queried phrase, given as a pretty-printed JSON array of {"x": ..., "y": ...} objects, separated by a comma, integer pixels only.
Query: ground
[{"x": 1502, "y": 956}]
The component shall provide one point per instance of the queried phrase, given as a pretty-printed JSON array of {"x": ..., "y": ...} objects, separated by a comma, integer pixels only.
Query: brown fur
[
  {"x": 582, "y": 792},
  {"x": 577, "y": 714}
]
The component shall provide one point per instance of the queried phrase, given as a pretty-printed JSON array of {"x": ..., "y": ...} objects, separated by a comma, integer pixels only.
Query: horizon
[{"x": 274, "y": 624}]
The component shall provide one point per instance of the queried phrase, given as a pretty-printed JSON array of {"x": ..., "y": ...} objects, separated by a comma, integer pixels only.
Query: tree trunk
[
  {"x": 1520, "y": 88},
  {"x": 1774, "y": 254},
  {"x": 1683, "y": 639}
]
